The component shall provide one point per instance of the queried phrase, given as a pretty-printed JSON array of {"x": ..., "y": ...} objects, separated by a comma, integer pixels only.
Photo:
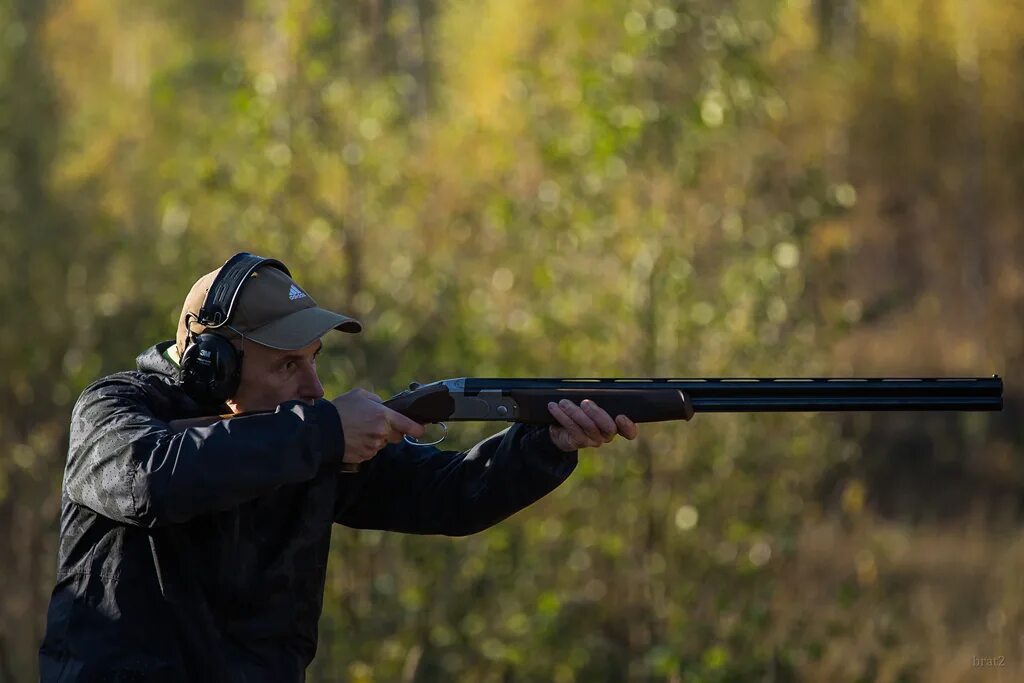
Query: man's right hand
[{"x": 369, "y": 425}]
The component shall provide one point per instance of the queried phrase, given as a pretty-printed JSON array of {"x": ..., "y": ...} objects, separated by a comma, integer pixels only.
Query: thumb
[{"x": 560, "y": 437}]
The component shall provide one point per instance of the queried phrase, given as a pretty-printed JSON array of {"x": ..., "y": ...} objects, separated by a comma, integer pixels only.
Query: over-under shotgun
[
  {"x": 658, "y": 400},
  {"x": 663, "y": 399}
]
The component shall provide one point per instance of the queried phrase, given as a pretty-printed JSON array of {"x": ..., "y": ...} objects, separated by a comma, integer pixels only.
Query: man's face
[{"x": 271, "y": 377}]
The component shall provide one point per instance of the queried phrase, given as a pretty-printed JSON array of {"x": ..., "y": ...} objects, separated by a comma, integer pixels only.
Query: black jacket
[{"x": 201, "y": 555}]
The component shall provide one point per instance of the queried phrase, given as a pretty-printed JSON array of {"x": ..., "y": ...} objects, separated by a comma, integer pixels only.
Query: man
[{"x": 199, "y": 553}]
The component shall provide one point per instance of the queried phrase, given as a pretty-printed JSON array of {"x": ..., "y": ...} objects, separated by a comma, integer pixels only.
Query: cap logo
[{"x": 295, "y": 293}]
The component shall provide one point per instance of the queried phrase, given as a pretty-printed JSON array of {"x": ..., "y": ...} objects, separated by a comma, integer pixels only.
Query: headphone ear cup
[{"x": 211, "y": 369}]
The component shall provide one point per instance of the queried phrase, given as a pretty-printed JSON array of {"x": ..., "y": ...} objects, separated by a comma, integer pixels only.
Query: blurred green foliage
[{"x": 613, "y": 188}]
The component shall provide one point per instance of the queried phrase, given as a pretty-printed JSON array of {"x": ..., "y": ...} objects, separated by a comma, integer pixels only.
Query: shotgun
[{"x": 663, "y": 399}]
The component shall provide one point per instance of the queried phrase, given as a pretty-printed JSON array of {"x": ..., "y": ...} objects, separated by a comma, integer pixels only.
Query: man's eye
[{"x": 289, "y": 365}]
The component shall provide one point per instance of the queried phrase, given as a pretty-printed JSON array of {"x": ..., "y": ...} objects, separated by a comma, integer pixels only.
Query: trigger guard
[{"x": 413, "y": 442}]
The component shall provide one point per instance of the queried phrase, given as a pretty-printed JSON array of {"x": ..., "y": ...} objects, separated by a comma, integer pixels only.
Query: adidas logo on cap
[{"x": 295, "y": 293}]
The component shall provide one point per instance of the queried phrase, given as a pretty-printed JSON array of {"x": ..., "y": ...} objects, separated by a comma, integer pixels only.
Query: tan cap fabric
[{"x": 271, "y": 310}]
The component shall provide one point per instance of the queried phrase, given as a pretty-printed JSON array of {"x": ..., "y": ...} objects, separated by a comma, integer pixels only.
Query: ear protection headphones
[{"x": 211, "y": 367}]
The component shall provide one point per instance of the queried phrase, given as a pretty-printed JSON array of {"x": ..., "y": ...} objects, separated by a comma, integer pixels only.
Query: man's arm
[
  {"x": 423, "y": 490},
  {"x": 128, "y": 465}
]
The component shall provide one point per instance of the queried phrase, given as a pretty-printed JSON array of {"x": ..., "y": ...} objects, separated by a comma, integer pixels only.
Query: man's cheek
[{"x": 282, "y": 390}]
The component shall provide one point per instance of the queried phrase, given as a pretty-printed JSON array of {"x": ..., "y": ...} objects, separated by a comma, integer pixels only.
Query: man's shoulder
[
  {"x": 125, "y": 382},
  {"x": 149, "y": 390},
  {"x": 124, "y": 386}
]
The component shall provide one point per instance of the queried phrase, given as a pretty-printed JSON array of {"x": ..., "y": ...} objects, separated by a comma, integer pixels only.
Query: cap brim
[{"x": 301, "y": 328}]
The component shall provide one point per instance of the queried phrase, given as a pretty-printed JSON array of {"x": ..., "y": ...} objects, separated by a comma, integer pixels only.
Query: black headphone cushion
[{"x": 211, "y": 369}]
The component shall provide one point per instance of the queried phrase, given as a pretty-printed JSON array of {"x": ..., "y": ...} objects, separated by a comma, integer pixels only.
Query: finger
[
  {"x": 372, "y": 396},
  {"x": 403, "y": 424},
  {"x": 574, "y": 441},
  {"x": 582, "y": 419},
  {"x": 390, "y": 434},
  {"x": 575, "y": 434},
  {"x": 627, "y": 427},
  {"x": 603, "y": 420}
]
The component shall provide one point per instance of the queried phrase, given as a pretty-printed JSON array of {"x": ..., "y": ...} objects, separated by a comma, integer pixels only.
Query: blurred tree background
[{"x": 574, "y": 188}]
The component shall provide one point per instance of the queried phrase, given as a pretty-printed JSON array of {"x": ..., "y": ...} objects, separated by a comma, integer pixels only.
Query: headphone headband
[
  {"x": 220, "y": 300},
  {"x": 211, "y": 368}
]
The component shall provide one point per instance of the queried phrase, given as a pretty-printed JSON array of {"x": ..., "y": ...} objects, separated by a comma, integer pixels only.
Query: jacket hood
[
  {"x": 159, "y": 364},
  {"x": 155, "y": 360}
]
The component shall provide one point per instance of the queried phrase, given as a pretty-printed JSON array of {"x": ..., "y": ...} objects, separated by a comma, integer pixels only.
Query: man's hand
[
  {"x": 369, "y": 425},
  {"x": 586, "y": 425}
]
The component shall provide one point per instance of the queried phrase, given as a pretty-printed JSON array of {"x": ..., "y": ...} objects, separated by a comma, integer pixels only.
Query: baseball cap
[{"x": 271, "y": 309}]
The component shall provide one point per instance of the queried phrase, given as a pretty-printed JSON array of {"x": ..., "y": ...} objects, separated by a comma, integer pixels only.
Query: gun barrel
[{"x": 783, "y": 394}]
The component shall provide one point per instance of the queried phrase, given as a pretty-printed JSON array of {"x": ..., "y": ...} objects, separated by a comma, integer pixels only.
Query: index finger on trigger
[{"x": 404, "y": 424}]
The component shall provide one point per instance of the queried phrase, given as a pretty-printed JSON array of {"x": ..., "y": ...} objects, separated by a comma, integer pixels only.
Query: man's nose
[{"x": 311, "y": 388}]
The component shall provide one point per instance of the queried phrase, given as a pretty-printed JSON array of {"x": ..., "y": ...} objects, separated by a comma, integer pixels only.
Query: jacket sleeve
[
  {"x": 126, "y": 464},
  {"x": 423, "y": 490}
]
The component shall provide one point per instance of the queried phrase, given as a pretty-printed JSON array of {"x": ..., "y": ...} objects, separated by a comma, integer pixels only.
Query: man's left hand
[{"x": 586, "y": 425}]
